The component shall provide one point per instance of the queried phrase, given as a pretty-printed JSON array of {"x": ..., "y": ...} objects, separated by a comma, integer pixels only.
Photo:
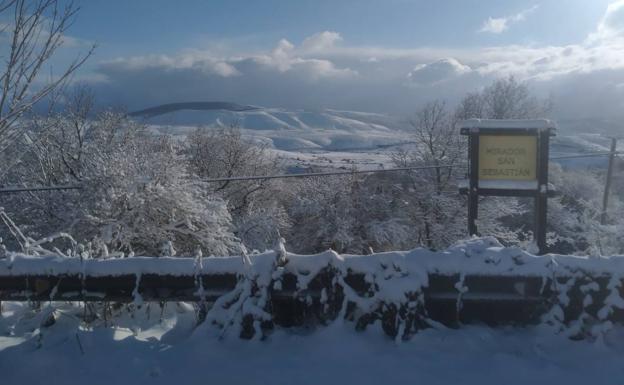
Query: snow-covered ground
[
  {"x": 170, "y": 351},
  {"x": 301, "y": 139},
  {"x": 346, "y": 139},
  {"x": 149, "y": 344}
]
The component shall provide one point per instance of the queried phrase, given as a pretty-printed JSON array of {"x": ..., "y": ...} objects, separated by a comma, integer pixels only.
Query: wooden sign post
[{"x": 508, "y": 158}]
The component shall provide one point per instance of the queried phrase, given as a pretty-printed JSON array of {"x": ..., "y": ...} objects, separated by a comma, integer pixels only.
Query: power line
[
  {"x": 12, "y": 190},
  {"x": 587, "y": 155},
  {"x": 328, "y": 173},
  {"x": 332, "y": 173}
]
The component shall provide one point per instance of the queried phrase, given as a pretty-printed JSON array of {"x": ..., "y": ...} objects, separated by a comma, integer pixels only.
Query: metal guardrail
[{"x": 448, "y": 299}]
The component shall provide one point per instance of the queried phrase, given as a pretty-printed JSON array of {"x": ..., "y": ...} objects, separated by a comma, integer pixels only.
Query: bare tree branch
[{"x": 36, "y": 31}]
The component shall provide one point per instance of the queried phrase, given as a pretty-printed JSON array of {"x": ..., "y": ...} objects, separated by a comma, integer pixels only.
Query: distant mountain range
[
  {"x": 190, "y": 106},
  {"x": 290, "y": 130},
  {"x": 260, "y": 118}
]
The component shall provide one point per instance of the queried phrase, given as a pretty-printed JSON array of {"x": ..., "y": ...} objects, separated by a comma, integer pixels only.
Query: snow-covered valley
[{"x": 347, "y": 139}]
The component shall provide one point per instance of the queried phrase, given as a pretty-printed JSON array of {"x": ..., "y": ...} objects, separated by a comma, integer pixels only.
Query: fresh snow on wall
[
  {"x": 148, "y": 343},
  {"x": 481, "y": 256}
]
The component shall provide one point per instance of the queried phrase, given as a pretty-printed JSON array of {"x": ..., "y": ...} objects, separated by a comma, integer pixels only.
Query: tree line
[{"x": 148, "y": 194}]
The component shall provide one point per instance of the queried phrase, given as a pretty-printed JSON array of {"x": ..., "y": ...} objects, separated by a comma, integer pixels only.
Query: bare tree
[
  {"x": 436, "y": 144},
  {"x": 223, "y": 153},
  {"x": 73, "y": 129},
  {"x": 35, "y": 31},
  {"x": 505, "y": 98},
  {"x": 434, "y": 206},
  {"x": 470, "y": 107}
]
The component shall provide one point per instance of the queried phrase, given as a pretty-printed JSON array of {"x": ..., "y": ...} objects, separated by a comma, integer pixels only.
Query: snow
[
  {"x": 261, "y": 119},
  {"x": 146, "y": 343},
  {"x": 478, "y": 256},
  {"x": 293, "y": 130},
  {"x": 509, "y": 184},
  {"x": 146, "y": 350},
  {"x": 504, "y": 184},
  {"x": 52, "y": 265},
  {"x": 540, "y": 124},
  {"x": 338, "y": 139}
]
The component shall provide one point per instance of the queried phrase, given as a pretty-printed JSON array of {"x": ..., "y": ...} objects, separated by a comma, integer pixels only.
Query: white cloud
[
  {"x": 611, "y": 26},
  {"x": 495, "y": 25},
  {"x": 501, "y": 24},
  {"x": 280, "y": 57},
  {"x": 319, "y": 68},
  {"x": 321, "y": 41},
  {"x": 324, "y": 70},
  {"x": 187, "y": 61},
  {"x": 284, "y": 57},
  {"x": 436, "y": 72}
]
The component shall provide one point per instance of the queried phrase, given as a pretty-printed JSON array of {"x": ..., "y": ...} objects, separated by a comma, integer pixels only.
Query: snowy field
[{"x": 169, "y": 351}]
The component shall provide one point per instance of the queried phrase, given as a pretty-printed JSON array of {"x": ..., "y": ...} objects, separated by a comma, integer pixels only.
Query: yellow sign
[{"x": 510, "y": 157}]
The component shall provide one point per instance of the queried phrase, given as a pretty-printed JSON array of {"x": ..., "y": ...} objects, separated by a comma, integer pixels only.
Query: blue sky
[
  {"x": 383, "y": 55},
  {"x": 165, "y": 25}
]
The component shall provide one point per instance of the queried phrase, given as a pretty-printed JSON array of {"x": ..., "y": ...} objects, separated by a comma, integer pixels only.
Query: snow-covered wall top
[
  {"x": 478, "y": 256},
  {"x": 540, "y": 124}
]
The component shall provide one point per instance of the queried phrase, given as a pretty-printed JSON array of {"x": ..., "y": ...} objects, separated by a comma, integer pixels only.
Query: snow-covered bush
[
  {"x": 136, "y": 192},
  {"x": 257, "y": 214},
  {"x": 347, "y": 214},
  {"x": 505, "y": 98},
  {"x": 575, "y": 214},
  {"x": 144, "y": 199}
]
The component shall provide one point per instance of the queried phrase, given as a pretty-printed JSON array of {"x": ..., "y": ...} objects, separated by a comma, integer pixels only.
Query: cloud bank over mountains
[{"x": 324, "y": 70}]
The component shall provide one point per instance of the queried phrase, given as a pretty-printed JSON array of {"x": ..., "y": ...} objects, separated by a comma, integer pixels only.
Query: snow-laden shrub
[
  {"x": 347, "y": 214},
  {"x": 575, "y": 214},
  {"x": 257, "y": 212},
  {"x": 136, "y": 193}
]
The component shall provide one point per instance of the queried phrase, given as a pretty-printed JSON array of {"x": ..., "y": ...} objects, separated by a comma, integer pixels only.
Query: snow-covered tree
[
  {"x": 433, "y": 205},
  {"x": 505, "y": 98},
  {"x": 574, "y": 215},
  {"x": 347, "y": 214},
  {"x": 257, "y": 214},
  {"x": 136, "y": 192}
]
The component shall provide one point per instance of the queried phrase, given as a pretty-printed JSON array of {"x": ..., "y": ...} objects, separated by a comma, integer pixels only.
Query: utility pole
[{"x": 605, "y": 199}]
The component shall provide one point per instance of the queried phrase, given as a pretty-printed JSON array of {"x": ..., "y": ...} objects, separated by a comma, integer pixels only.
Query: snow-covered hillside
[
  {"x": 324, "y": 138},
  {"x": 293, "y": 130},
  {"x": 338, "y": 139},
  {"x": 260, "y": 118}
]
